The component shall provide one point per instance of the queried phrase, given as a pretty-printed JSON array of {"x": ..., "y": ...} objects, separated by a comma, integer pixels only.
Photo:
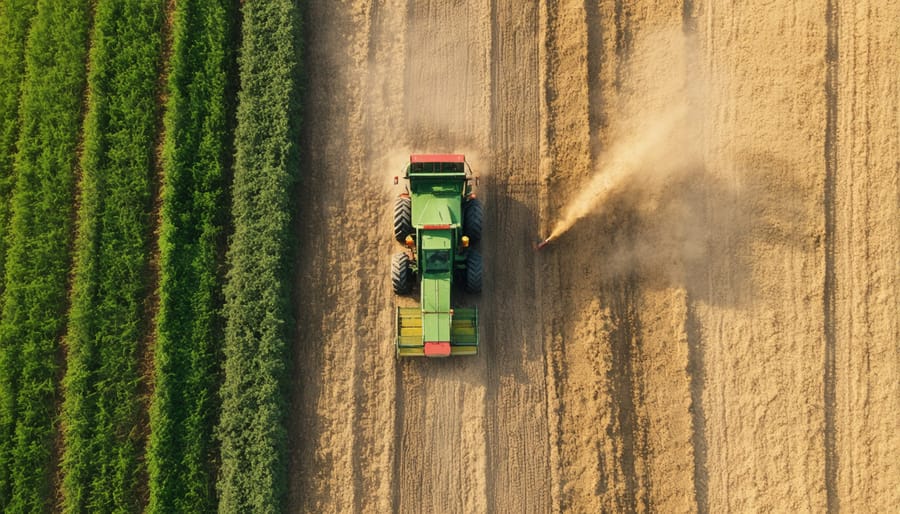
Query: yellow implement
[{"x": 463, "y": 332}]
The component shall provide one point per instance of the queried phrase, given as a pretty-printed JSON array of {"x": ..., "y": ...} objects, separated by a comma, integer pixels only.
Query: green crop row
[
  {"x": 252, "y": 431},
  {"x": 15, "y": 19},
  {"x": 103, "y": 440},
  {"x": 182, "y": 454},
  {"x": 38, "y": 258}
]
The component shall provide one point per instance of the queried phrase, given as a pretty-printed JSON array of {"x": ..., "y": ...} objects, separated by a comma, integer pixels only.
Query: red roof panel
[{"x": 437, "y": 157}]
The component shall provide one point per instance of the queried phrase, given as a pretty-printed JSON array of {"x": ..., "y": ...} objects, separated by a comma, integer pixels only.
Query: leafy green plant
[
  {"x": 103, "y": 441},
  {"x": 40, "y": 236},
  {"x": 15, "y": 19},
  {"x": 252, "y": 430},
  {"x": 182, "y": 451}
]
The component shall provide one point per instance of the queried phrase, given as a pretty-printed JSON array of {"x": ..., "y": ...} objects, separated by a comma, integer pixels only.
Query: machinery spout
[{"x": 542, "y": 244}]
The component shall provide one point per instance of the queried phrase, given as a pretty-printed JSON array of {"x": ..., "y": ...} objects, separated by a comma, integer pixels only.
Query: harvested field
[{"x": 718, "y": 332}]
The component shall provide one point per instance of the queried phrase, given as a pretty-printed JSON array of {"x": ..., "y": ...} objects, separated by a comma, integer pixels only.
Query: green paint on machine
[{"x": 438, "y": 219}]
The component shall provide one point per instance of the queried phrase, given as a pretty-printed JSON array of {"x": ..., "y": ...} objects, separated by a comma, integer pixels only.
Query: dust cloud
[
  {"x": 650, "y": 192},
  {"x": 640, "y": 158}
]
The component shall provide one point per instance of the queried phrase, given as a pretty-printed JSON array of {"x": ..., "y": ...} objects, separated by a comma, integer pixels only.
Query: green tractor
[{"x": 437, "y": 219}]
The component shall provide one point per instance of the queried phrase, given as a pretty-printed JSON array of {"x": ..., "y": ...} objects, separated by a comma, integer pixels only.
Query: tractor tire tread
[
  {"x": 474, "y": 272},
  {"x": 400, "y": 273},
  {"x": 402, "y": 219},
  {"x": 473, "y": 218}
]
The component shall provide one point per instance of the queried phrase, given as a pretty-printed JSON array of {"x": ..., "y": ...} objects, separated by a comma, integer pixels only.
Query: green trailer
[{"x": 438, "y": 219}]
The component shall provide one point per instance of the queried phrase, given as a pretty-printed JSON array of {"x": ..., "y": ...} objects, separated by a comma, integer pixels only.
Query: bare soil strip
[
  {"x": 866, "y": 253},
  {"x": 511, "y": 310},
  {"x": 694, "y": 275},
  {"x": 337, "y": 361},
  {"x": 63, "y": 349},
  {"x": 147, "y": 345},
  {"x": 832, "y": 57},
  {"x": 576, "y": 462},
  {"x": 764, "y": 386},
  {"x": 752, "y": 368},
  {"x": 447, "y": 91}
]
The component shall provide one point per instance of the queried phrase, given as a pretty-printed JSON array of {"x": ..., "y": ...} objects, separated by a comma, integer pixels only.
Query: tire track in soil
[
  {"x": 341, "y": 398},
  {"x": 867, "y": 250},
  {"x": 375, "y": 444},
  {"x": 828, "y": 297},
  {"x": 515, "y": 406},
  {"x": 716, "y": 285},
  {"x": 696, "y": 367},
  {"x": 713, "y": 283},
  {"x": 446, "y": 88}
]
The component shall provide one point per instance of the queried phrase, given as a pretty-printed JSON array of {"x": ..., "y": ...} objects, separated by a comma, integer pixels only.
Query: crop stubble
[{"x": 747, "y": 362}]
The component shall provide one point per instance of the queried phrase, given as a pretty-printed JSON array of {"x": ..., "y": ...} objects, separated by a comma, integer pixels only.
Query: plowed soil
[{"x": 719, "y": 337}]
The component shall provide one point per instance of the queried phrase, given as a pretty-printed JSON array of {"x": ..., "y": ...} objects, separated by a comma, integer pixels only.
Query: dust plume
[
  {"x": 650, "y": 140},
  {"x": 649, "y": 193},
  {"x": 640, "y": 156}
]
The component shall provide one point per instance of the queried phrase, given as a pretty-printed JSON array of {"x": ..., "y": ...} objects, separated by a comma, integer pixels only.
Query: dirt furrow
[
  {"x": 662, "y": 247},
  {"x": 695, "y": 274},
  {"x": 762, "y": 298},
  {"x": 576, "y": 452},
  {"x": 447, "y": 85},
  {"x": 518, "y": 465},
  {"x": 594, "y": 329},
  {"x": 866, "y": 252},
  {"x": 63, "y": 349},
  {"x": 832, "y": 57},
  {"x": 620, "y": 339},
  {"x": 626, "y": 401},
  {"x": 697, "y": 370},
  {"x": 341, "y": 402},
  {"x": 146, "y": 348}
]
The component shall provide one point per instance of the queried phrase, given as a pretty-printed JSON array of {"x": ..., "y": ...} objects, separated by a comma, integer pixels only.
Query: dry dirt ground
[{"x": 722, "y": 337}]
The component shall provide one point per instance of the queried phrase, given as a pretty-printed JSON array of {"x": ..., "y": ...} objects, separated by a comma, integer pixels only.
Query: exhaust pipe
[{"x": 542, "y": 244}]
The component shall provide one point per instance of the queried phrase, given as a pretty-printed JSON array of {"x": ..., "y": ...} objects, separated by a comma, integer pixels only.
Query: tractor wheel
[
  {"x": 474, "y": 271},
  {"x": 401, "y": 277},
  {"x": 402, "y": 219},
  {"x": 473, "y": 216}
]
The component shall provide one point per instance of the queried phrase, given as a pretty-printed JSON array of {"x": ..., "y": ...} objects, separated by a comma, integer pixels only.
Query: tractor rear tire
[
  {"x": 473, "y": 217},
  {"x": 402, "y": 219},
  {"x": 474, "y": 272},
  {"x": 401, "y": 276}
]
